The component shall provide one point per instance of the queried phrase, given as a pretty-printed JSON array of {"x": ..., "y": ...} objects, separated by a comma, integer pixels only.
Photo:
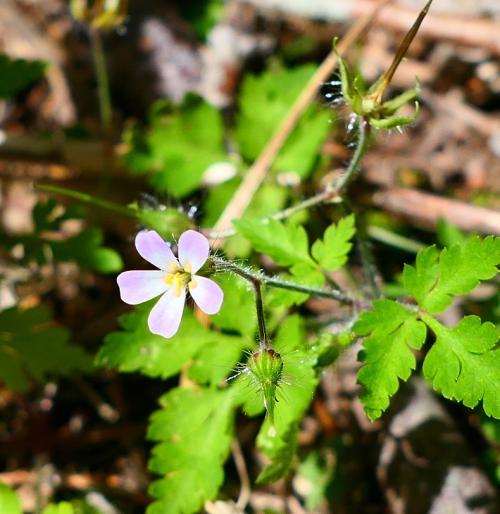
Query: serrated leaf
[
  {"x": 135, "y": 348},
  {"x": 32, "y": 346},
  {"x": 194, "y": 431},
  {"x": 331, "y": 252},
  {"x": 18, "y": 74},
  {"x": 285, "y": 244},
  {"x": 390, "y": 332},
  {"x": 264, "y": 101},
  {"x": 294, "y": 396},
  {"x": 9, "y": 502},
  {"x": 438, "y": 276},
  {"x": 464, "y": 363},
  {"x": 178, "y": 147}
]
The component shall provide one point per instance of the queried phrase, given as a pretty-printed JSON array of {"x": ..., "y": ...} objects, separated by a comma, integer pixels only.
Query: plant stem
[
  {"x": 395, "y": 240},
  {"x": 89, "y": 199},
  {"x": 256, "y": 174},
  {"x": 261, "y": 278},
  {"x": 331, "y": 194},
  {"x": 261, "y": 318},
  {"x": 102, "y": 81},
  {"x": 355, "y": 162}
]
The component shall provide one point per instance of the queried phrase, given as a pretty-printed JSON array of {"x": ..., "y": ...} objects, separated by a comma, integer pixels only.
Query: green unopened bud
[{"x": 267, "y": 368}]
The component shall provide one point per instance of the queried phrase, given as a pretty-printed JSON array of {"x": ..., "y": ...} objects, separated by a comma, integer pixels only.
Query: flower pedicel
[{"x": 172, "y": 280}]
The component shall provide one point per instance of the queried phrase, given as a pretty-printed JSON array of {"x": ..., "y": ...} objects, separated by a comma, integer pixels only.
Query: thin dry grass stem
[{"x": 256, "y": 174}]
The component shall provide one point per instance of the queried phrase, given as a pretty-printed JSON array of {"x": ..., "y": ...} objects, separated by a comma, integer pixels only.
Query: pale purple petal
[
  {"x": 140, "y": 286},
  {"x": 193, "y": 250},
  {"x": 166, "y": 315},
  {"x": 154, "y": 249},
  {"x": 206, "y": 293}
]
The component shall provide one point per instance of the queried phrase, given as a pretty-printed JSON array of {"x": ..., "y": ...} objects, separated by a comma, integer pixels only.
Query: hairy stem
[
  {"x": 331, "y": 194},
  {"x": 260, "y": 278},
  {"x": 256, "y": 174}
]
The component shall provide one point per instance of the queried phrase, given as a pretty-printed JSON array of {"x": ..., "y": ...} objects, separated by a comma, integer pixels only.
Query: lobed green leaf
[
  {"x": 438, "y": 276},
  {"x": 32, "y": 346},
  {"x": 264, "y": 101},
  {"x": 178, "y": 147},
  {"x": 391, "y": 332},
  {"x": 285, "y": 244},
  {"x": 464, "y": 363},
  {"x": 193, "y": 432},
  {"x": 135, "y": 348},
  {"x": 331, "y": 252}
]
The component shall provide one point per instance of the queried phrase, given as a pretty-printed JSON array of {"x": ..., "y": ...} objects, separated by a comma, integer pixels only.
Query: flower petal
[
  {"x": 206, "y": 293},
  {"x": 154, "y": 249},
  {"x": 140, "y": 286},
  {"x": 193, "y": 250},
  {"x": 165, "y": 317}
]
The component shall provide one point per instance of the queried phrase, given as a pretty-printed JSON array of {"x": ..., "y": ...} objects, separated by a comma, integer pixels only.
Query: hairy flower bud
[{"x": 266, "y": 366}]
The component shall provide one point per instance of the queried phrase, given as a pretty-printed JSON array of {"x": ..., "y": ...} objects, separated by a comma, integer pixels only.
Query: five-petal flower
[{"x": 173, "y": 278}]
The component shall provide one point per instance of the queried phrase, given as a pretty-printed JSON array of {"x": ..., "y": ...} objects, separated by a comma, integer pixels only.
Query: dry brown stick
[
  {"x": 426, "y": 210},
  {"x": 256, "y": 174},
  {"x": 454, "y": 105},
  {"x": 481, "y": 32}
]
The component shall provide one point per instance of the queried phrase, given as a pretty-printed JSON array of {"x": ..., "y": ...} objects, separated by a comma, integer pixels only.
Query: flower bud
[{"x": 266, "y": 366}]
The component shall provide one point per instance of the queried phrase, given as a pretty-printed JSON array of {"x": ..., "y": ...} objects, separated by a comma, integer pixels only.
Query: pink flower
[{"x": 171, "y": 280}]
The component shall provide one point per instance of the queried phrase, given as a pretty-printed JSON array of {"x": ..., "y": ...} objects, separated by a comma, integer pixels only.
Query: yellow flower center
[{"x": 179, "y": 277}]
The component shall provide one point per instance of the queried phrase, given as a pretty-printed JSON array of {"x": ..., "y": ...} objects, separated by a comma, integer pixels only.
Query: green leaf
[
  {"x": 18, "y": 74},
  {"x": 464, "y": 363},
  {"x": 32, "y": 346},
  {"x": 60, "y": 508},
  {"x": 135, "y": 348},
  {"x": 193, "y": 430},
  {"x": 390, "y": 331},
  {"x": 238, "y": 309},
  {"x": 178, "y": 147},
  {"x": 301, "y": 273},
  {"x": 316, "y": 472},
  {"x": 332, "y": 252},
  {"x": 86, "y": 249},
  {"x": 9, "y": 502},
  {"x": 437, "y": 277},
  {"x": 449, "y": 234},
  {"x": 285, "y": 244},
  {"x": 294, "y": 395},
  {"x": 263, "y": 103},
  {"x": 269, "y": 199}
]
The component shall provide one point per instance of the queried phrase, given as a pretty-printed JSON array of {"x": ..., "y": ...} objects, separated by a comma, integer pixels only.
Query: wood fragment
[{"x": 425, "y": 209}]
